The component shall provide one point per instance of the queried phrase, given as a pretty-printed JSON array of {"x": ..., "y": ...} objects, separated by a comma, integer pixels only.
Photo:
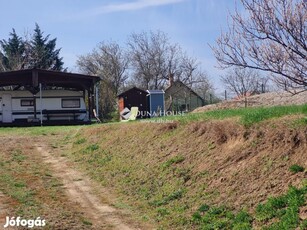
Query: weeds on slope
[
  {"x": 276, "y": 213},
  {"x": 247, "y": 116}
]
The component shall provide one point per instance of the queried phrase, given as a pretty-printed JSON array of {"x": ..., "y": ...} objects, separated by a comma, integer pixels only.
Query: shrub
[
  {"x": 280, "y": 212},
  {"x": 80, "y": 141},
  {"x": 220, "y": 217},
  {"x": 92, "y": 148},
  {"x": 296, "y": 168},
  {"x": 174, "y": 160}
]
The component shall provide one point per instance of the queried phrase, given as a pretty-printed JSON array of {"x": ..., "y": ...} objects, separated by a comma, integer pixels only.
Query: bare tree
[
  {"x": 110, "y": 63},
  {"x": 155, "y": 61},
  {"x": 244, "y": 82},
  {"x": 190, "y": 73},
  {"x": 241, "y": 81},
  {"x": 269, "y": 36},
  {"x": 153, "y": 58}
]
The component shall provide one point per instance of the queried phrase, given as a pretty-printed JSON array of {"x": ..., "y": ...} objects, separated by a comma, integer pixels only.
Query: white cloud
[{"x": 133, "y": 5}]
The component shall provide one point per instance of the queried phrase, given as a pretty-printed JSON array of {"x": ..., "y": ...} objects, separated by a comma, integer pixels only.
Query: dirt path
[{"x": 81, "y": 190}]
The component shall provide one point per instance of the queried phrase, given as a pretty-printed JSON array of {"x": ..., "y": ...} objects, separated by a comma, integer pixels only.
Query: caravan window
[
  {"x": 70, "y": 103},
  {"x": 26, "y": 102}
]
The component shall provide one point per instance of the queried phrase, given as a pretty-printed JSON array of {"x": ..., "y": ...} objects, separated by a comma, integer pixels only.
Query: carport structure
[{"x": 33, "y": 80}]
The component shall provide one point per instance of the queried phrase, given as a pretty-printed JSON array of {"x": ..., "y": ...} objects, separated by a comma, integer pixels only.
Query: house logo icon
[
  {"x": 129, "y": 114},
  {"x": 125, "y": 114}
]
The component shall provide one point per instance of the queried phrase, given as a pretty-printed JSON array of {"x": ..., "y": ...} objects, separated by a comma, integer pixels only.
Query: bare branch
[{"x": 271, "y": 38}]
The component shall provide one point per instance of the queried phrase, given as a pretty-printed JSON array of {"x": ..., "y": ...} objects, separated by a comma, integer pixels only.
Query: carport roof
[{"x": 33, "y": 77}]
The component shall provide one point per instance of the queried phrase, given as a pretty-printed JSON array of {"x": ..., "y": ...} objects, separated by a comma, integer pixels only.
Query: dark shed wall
[{"x": 134, "y": 98}]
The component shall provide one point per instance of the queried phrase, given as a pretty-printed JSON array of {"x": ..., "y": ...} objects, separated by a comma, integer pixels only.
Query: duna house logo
[{"x": 133, "y": 113}]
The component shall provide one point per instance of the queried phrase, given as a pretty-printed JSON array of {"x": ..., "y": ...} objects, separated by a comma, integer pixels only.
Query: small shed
[
  {"x": 180, "y": 97},
  {"x": 134, "y": 97},
  {"x": 156, "y": 102}
]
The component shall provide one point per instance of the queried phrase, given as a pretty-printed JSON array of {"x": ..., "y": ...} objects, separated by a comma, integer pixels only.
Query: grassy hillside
[{"x": 216, "y": 170}]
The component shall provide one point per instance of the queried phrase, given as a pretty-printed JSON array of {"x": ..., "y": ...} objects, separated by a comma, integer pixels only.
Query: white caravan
[{"x": 51, "y": 105}]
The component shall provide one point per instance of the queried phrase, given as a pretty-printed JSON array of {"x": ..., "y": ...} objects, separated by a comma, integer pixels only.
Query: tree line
[{"x": 149, "y": 61}]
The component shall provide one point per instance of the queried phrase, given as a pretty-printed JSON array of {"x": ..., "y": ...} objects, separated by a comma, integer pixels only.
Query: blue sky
[{"x": 79, "y": 25}]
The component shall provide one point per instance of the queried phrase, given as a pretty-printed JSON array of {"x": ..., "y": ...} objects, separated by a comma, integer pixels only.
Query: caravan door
[{"x": 6, "y": 108}]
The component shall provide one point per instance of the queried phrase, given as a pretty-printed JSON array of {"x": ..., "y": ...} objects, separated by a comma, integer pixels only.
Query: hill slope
[
  {"x": 166, "y": 171},
  {"x": 266, "y": 99}
]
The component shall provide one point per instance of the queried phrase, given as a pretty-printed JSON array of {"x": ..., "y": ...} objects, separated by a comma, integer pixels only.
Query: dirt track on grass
[{"x": 81, "y": 190}]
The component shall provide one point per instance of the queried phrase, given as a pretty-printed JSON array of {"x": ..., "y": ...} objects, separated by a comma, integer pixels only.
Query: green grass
[
  {"x": 80, "y": 141},
  {"x": 167, "y": 199},
  {"x": 91, "y": 148},
  {"x": 11, "y": 183},
  {"x": 284, "y": 209},
  {"x": 276, "y": 213},
  {"x": 220, "y": 217},
  {"x": 38, "y": 131},
  {"x": 174, "y": 160},
  {"x": 296, "y": 168},
  {"x": 247, "y": 116}
]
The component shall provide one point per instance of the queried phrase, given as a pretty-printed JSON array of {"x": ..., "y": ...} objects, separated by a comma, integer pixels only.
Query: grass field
[
  {"x": 228, "y": 169},
  {"x": 186, "y": 175},
  {"x": 247, "y": 116}
]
